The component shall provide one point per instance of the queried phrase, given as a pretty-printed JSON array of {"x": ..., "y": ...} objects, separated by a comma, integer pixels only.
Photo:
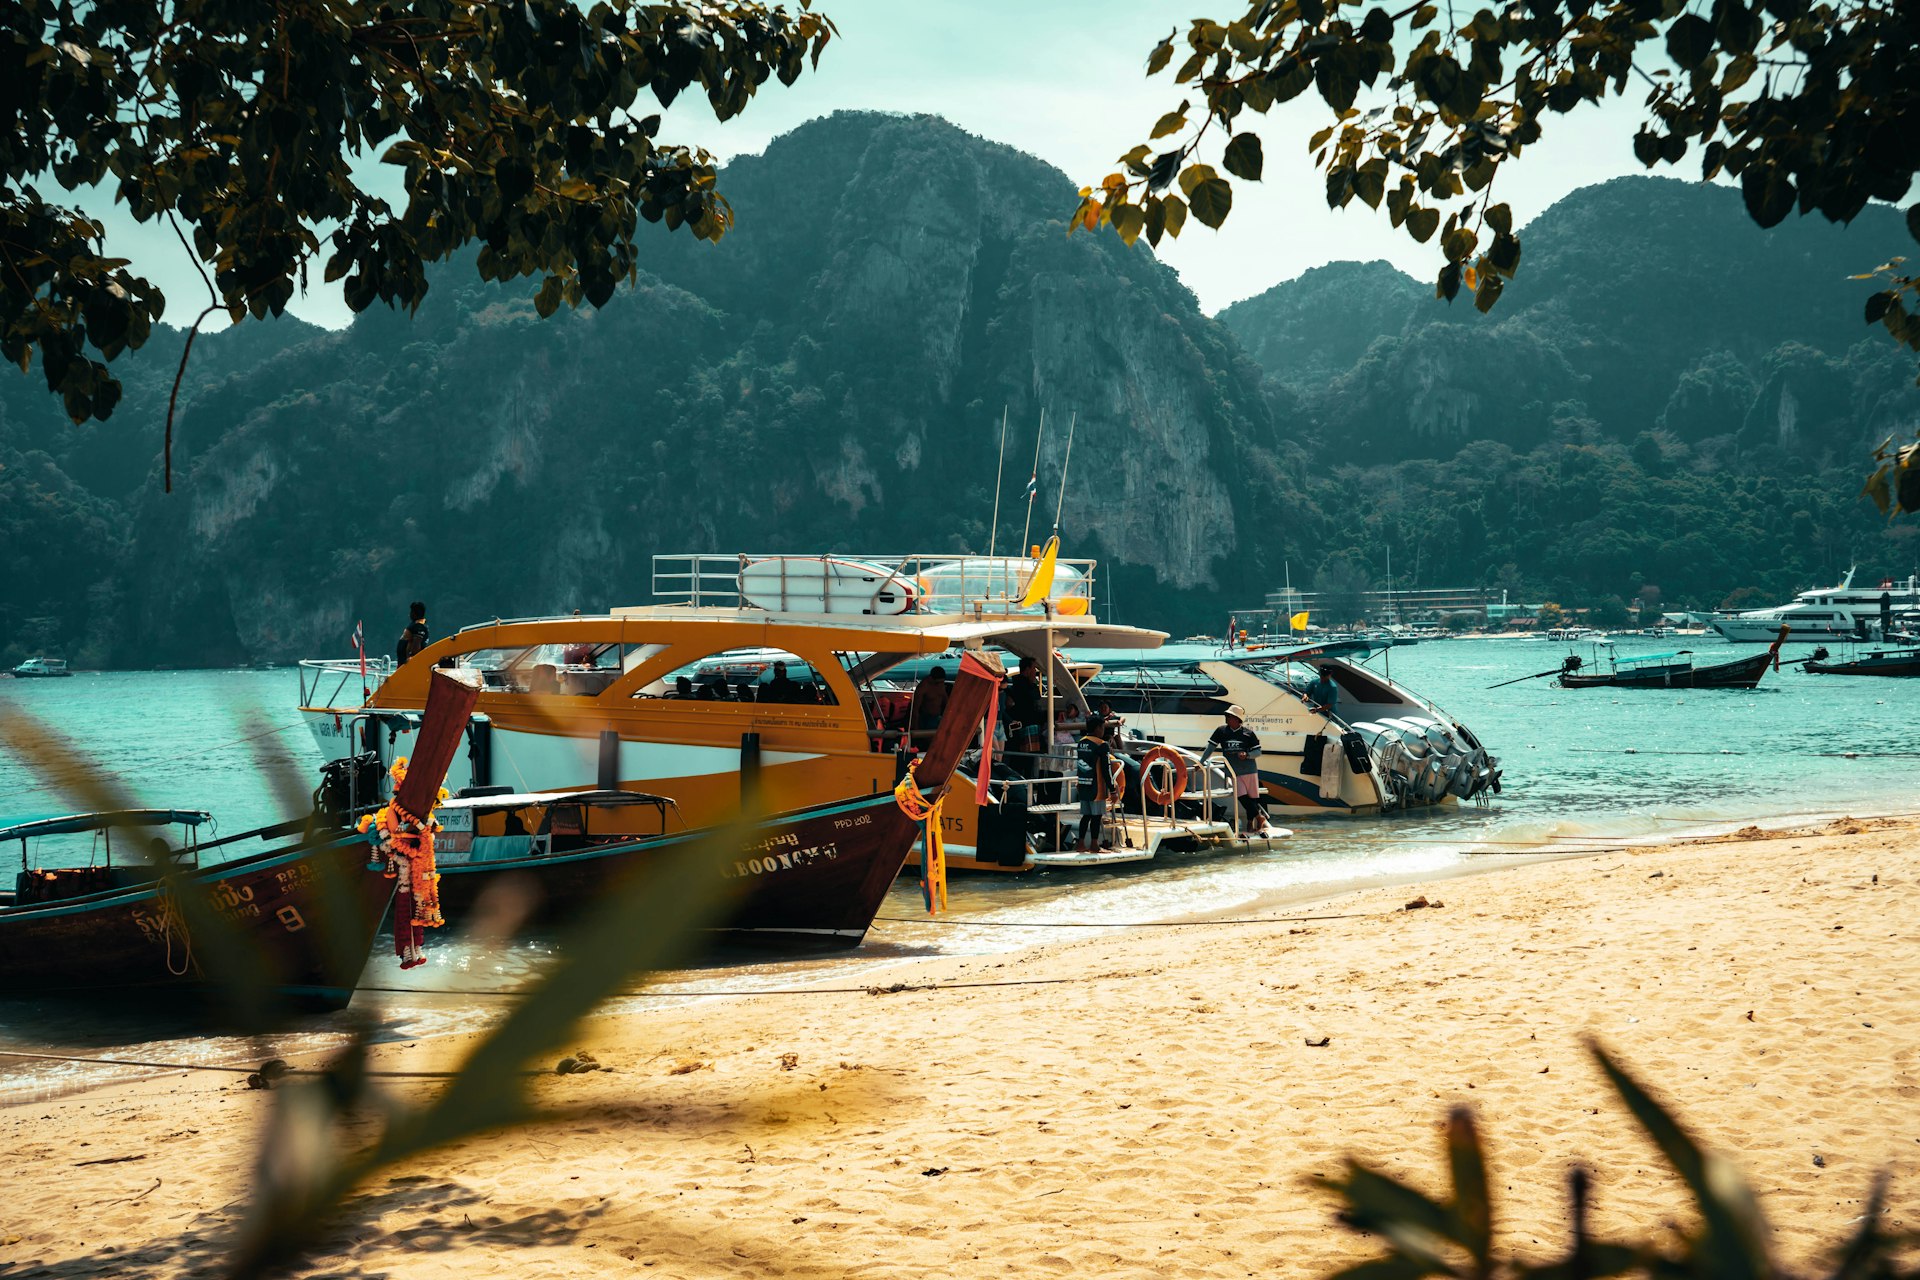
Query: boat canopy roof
[
  {"x": 1176, "y": 657},
  {"x": 524, "y": 799},
  {"x": 953, "y": 628},
  {"x": 1655, "y": 657},
  {"x": 77, "y": 822}
]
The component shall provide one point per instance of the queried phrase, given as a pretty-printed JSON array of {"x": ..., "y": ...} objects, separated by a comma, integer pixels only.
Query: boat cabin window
[
  {"x": 771, "y": 676},
  {"x": 568, "y": 670},
  {"x": 1163, "y": 693}
]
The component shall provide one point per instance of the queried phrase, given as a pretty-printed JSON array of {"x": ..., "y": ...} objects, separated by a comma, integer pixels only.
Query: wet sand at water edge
[{"x": 1150, "y": 1103}]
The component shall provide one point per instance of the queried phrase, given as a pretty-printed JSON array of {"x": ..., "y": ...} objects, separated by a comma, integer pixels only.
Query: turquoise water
[{"x": 1582, "y": 767}]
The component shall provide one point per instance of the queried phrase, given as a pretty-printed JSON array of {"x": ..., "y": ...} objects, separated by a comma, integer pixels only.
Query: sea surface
[{"x": 1585, "y": 769}]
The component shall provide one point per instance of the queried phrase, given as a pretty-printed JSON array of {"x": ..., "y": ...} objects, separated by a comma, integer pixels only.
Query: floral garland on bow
[{"x": 406, "y": 854}]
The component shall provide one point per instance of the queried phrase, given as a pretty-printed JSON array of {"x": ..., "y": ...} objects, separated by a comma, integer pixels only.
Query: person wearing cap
[{"x": 1241, "y": 747}]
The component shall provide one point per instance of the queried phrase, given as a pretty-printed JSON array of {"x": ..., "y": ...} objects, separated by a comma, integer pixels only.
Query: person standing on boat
[
  {"x": 929, "y": 706},
  {"x": 1241, "y": 747},
  {"x": 1091, "y": 770},
  {"x": 414, "y": 638},
  {"x": 1324, "y": 695},
  {"x": 1026, "y": 720}
]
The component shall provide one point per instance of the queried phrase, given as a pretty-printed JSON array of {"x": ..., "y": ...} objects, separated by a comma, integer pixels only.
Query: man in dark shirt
[
  {"x": 1091, "y": 770},
  {"x": 783, "y": 687},
  {"x": 1241, "y": 747},
  {"x": 1026, "y": 720},
  {"x": 414, "y": 638},
  {"x": 1324, "y": 694}
]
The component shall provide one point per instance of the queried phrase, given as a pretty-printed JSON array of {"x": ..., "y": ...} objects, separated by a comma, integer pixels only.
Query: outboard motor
[{"x": 349, "y": 787}]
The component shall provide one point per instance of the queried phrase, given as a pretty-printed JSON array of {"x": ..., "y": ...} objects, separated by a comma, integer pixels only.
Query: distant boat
[
  {"x": 41, "y": 669},
  {"x": 1844, "y": 612},
  {"x": 1880, "y": 662},
  {"x": 1673, "y": 671}
]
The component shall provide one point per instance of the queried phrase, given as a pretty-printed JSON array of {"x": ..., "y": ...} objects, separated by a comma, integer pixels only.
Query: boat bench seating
[{"x": 57, "y": 884}]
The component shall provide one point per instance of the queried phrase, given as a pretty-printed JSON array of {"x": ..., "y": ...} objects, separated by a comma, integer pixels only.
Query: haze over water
[{"x": 1583, "y": 768}]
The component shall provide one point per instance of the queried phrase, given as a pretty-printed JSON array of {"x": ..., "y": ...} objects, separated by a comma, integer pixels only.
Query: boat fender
[
  {"x": 1356, "y": 749},
  {"x": 1310, "y": 753},
  {"x": 1176, "y": 774}
]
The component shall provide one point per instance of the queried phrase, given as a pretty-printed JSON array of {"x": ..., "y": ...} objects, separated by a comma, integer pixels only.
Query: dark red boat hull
[
  {"x": 810, "y": 879},
  {"x": 306, "y": 915}
]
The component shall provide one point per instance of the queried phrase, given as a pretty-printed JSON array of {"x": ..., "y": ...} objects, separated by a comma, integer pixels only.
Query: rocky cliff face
[
  {"x": 1641, "y": 304},
  {"x": 830, "y": 378}
]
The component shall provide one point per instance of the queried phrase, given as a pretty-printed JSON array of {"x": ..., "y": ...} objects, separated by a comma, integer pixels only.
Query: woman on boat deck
[
  {"x": 1091, "y": 771},
  {"x": 1241, "y": 747}
]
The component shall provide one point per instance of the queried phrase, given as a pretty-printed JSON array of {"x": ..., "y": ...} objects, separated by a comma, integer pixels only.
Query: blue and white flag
[{"x": 359, "y": 636}]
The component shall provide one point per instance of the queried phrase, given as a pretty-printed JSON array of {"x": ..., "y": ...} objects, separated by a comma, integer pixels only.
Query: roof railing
[{"x": 959, "y": 583}]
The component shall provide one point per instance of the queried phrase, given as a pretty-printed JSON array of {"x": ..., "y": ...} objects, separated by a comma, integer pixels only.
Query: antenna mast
[{"x": 993, "y": 530}]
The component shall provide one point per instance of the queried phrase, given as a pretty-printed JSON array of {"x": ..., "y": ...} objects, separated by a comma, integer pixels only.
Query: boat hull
[
  {"x": 132, "y": 940},
  {"x": 1742, "y": 674},
  {"x": 1875, "y": 664},
  {"x": 810, "y": 879}
]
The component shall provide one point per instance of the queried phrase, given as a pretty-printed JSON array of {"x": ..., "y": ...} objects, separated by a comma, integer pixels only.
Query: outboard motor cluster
[{"x": 1424, "y": 761}]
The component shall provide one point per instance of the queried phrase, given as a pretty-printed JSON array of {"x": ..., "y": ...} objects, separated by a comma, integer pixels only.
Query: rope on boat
[{"x": 1658, "y": 751}]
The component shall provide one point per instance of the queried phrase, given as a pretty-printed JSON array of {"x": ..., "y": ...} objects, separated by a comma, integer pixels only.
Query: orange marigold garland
[{"x": 406, "y": 855}]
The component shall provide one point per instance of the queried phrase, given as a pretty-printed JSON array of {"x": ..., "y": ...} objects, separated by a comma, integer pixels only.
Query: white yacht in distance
[{"x": 1826, "y": 613}]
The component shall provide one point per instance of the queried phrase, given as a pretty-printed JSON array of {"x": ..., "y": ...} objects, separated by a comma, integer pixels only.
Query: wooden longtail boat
[
  {"x": 306, "y": 912},
  {"x": 1880, "y": 662},
  {"x": 299, "y": 917},
  {"x": 807, "y": 878},
  {"x": 1675, "y": 671}
]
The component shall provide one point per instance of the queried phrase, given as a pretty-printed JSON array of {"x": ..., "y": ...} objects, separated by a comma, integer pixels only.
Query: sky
[{"x": 1063, "y": 80}]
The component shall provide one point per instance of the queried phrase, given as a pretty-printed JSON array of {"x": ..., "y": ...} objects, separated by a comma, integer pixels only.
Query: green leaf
[
  {"x": 1176, "y": 215},
  {"x": 1195, "y": 174},
  {"x": 1459, "y": 243},
  {"x": 1877, "y": 305},
  {"x": 1161, "y": 55},
  {"x": 1377, "y": 26},
  {"x": 1172, "y": 122},
  {"x": 1380, "y": 1203},
  {"x": 1424, "y": 15},
  {"x": 1370, "y": 182},
  {"x": 1129, "y": 220},
  {"x": 1500, "y": 218},
  {"x": 1422, "y": 223},
  {"x": 1211, "y": 201},
  {"x": 1735, "y": 1240},
  {"x": 1472, "y": 1204},
  {"x": 1689, "y": 40},
  {"x": 1913, "y": 221},
  {"x": 1767, "y": 192},
  {"x": 1243, "y": 158}
]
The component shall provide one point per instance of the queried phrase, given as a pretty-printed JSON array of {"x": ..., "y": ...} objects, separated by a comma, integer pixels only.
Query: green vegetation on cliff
[{"x": 831, "y": 377}]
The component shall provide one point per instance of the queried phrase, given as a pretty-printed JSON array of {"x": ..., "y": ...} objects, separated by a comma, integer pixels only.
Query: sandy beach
[{"x": 1148, "y": 1103}]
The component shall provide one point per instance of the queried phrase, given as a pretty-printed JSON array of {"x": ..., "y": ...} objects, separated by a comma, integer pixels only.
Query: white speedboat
[
  {"x": 1826, "y": 613},
  {"x": 1383, "y": 748},
  {"x": 41, "y": 668}
]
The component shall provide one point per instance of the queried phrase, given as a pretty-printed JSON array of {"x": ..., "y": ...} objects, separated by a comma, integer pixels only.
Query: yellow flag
[
  {"x": 1298, "y": 622},
  {"x": 1040, "y": 585}
]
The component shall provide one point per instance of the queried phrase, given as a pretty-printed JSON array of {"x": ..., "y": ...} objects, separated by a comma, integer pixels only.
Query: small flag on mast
[
  {"x": 1298, "y": 622},
  {"x": 1033, "y": 486}
]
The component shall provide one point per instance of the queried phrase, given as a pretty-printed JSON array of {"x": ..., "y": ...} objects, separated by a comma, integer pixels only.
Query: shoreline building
[{"x": 1412, "y": 606}]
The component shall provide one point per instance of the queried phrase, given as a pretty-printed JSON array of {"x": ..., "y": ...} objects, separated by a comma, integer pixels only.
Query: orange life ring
[{"x": 1177, "y": 775}]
